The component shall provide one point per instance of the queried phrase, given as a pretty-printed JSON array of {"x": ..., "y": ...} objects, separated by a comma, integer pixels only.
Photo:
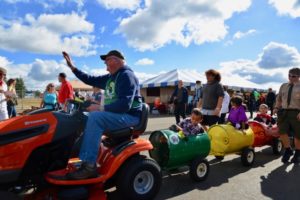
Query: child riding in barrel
[
  {"x": 191, "y": 125},
  {"x": 263, "y": 115},
  {"x": 237, "y": 115}
]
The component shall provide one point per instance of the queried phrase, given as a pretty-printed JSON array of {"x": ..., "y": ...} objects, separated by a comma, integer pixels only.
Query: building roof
[{"x": 79, "y": 85}]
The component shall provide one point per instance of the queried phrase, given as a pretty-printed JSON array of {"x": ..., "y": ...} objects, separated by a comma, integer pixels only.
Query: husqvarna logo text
[{"x": 35, "y": 122}]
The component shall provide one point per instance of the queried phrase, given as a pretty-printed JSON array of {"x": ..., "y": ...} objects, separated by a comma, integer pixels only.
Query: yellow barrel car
[{"x": 225, "y": 139}]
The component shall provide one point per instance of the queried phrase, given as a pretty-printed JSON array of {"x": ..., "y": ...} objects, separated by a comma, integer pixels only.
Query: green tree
[
  {"x": 20, "y": 88},
  {"x": 37, "y": 93}
]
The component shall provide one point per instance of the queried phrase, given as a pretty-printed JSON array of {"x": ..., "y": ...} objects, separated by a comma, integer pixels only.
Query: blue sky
[{"x": 251, "y": 42}]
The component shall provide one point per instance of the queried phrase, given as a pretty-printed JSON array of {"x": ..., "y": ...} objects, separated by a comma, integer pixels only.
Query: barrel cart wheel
[
  {"x": 139, "y": 178},
  {"x": 219, "y": 157},
  {"x": 248, "y": 156},
  {"x": 277, "y": 146},
  {"x": 199, "y": 169}
]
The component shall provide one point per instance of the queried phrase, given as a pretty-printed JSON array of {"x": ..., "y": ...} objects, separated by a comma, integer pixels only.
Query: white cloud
[
  {"x": 246, "y": 73},
  {"x": 276, "y": 55},
  {"x": 62, "y": 23},
  {"x": 49, "y": 34},
  {"x": 287, "y": 7},
  {"x": 144, "y": 61},
  {"x": 42, "y": 70},
  {"x": 239, "y": 34},
  {"x": 48, "y": 3},
  {"x": 80, "y": 3},
  {"x": 97, "y": 71},
  {"x": 102, "y": 29},
  {"x": 269, "y": 70},
  {"x": 4, "y": 62},
  {"x": 142, "y": 76},
  {"x": 120, "y": 4},
  {"x": 184, "y": 22},
  {"x": 38, "y": 74}
]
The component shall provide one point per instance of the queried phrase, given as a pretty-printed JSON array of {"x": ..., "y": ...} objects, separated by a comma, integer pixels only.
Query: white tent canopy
[
  {"x": 171, "y": 78},
  {"x": 189, "y": 78},
  {"x": 236, "y": 82}
]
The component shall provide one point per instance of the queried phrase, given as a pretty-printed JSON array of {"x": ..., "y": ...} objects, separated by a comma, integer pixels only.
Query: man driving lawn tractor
[{"x": 122, "y": 108}]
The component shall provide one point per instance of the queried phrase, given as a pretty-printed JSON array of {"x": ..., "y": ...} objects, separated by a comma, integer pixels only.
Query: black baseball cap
[{"x": 113, "y": 53}]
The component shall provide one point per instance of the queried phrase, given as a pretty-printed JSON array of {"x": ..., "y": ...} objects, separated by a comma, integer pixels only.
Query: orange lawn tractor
[{"x": 35, "y": 156}]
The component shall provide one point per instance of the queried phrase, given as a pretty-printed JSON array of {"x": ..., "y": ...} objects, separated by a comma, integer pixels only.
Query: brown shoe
[{"x": 85, "y": 171}]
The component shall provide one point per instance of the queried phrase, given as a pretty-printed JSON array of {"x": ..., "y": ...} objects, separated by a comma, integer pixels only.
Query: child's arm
[
  {"x": 243, "y": 127},
  {"x": 243, "y": 118},
  {"x": 204, "y": 128},
  {"x": 180, "y": 131},
  {"x": 178, "y": 127},
  {"x": 181, "y": 124}
]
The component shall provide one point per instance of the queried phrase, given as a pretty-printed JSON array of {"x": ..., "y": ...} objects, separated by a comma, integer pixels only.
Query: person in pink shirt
[{"x": 237, "y": 115}]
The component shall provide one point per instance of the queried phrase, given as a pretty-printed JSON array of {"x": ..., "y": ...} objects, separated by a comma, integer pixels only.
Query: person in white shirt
[
  {"x": 225, "y": 105},
  {"x": 3, "y": 90},
  {"x": 198, "y": 90}
]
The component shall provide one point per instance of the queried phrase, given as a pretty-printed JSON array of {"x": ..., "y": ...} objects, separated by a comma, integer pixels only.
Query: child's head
[
  {"x": 236, "y": 101},
  {"x": 263, "y": 108},
  {"x": 196, "y": 116}
]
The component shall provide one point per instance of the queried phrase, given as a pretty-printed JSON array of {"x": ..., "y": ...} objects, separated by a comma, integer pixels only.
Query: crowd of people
[
  {"x": 218, "y": 100},
  {"x": 8, "y": 96},
  {"x": 58, "y": 99},
  {"x": 214, "y": 102},
  {"x": 53, "y": 98}
]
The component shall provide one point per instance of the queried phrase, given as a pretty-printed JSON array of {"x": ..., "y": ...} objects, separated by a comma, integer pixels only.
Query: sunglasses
[
  {"x": 293, "y": 76},
  {"x": 2, "y": 74}
]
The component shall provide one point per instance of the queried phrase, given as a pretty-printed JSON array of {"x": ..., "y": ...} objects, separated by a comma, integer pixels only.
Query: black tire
[
  {"x": 277, "y": 146},
  {"x": 199, "y": 169},
  {"x": 219, "y": 157},
  {"x": 247, "y": 157},
  {"x": 136, "y": 172}
]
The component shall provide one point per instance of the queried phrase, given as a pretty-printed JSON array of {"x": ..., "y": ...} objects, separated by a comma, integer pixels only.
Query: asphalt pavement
[{"x": 228, "y": 179}]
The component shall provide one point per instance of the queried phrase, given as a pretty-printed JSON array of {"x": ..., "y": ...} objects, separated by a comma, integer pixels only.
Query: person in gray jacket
[
  {"x": 180, "y": 99},
  {"x": 211, "y": 98}
]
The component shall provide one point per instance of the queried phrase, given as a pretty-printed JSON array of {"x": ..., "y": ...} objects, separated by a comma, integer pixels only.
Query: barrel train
[{"x": 171, "y": 151}]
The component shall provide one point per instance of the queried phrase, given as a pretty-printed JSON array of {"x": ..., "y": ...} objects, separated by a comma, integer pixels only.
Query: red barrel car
[{"x": 266, "y": 135}]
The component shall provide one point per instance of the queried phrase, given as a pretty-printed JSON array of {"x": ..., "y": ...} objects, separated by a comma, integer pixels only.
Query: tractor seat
[
  {"x": 117, "y": 136},
  {"x": 39, "y": 111}
]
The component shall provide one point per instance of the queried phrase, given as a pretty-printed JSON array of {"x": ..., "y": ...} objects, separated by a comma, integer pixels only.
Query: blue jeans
[
  {"x": 11, "y": 111},
  {"x": 97, "y": 123}
]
